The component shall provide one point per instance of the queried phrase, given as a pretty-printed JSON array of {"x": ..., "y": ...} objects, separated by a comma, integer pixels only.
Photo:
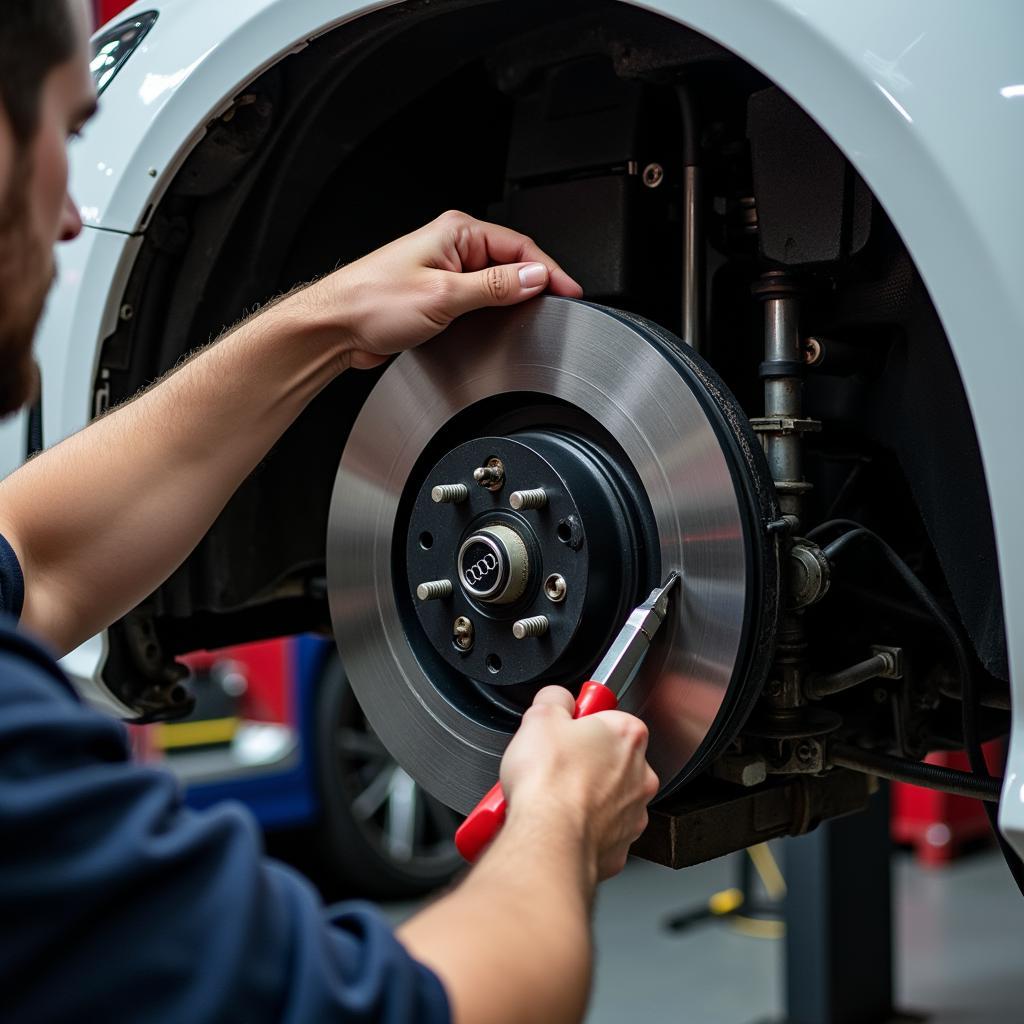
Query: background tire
[{"x": 381, "y": 834}]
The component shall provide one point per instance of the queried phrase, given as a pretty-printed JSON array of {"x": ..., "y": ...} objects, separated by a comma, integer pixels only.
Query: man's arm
[
  {"x": 512, "y": 944},
  {"x": 100, "y": 520}
]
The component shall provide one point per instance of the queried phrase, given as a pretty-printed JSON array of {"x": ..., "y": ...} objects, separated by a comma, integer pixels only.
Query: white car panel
[
  {"x": 925, "y": 97},
  {"x": 185, "y": 72},
  {"x": 82, "y": 310}
]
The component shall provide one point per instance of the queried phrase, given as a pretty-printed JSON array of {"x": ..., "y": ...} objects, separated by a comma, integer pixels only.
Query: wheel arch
[{"x": 878, "y": 80}]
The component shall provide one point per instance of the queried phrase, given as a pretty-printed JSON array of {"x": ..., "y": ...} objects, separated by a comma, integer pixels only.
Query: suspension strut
[{"x": 781, "y": 430}]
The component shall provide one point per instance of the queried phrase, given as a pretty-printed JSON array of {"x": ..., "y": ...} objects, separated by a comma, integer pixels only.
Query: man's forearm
[
  {"x": 100, "y": 520},
  {"x": 512, "y": 944}
]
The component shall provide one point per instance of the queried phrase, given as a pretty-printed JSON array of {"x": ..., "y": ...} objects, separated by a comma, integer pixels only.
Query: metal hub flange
[{"x": 498, "y": 558}]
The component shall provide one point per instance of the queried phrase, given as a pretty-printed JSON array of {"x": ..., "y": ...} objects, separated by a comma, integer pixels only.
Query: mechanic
[{"x": 116, "y": 901}]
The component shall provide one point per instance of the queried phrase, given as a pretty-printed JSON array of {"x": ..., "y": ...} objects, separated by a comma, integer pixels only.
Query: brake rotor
[{"x": 634, "y": 459}]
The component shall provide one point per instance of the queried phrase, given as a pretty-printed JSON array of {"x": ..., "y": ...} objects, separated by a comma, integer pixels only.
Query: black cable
[
  {"x": 917, "y": 773},
  {"x": 831, "y": 524},
  {"x": 968, "y": 695}
]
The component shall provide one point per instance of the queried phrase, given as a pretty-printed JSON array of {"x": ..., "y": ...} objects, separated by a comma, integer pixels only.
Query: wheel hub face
[
  {"x": 496, "y": 559},
  {"x": 644, "y": 467}
]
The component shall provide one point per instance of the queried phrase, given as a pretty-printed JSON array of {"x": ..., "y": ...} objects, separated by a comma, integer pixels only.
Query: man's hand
[
  {"x": 591, "y": 772},
  {"x": 512, "y": 943},
  {"x": 408, "y": 291}
]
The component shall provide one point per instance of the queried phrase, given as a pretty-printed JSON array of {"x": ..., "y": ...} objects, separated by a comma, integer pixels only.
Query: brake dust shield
[{"x": 646, "y": 464}]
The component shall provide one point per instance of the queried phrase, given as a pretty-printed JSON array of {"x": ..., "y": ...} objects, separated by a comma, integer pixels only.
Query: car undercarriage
[{"x": 756, "y": 391}]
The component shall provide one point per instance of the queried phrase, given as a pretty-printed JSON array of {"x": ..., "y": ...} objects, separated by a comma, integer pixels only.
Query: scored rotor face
[{"x": 634, "y": 460}]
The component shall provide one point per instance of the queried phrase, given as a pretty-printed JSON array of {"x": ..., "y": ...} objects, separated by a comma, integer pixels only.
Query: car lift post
[{"x": 839, "y": 944}]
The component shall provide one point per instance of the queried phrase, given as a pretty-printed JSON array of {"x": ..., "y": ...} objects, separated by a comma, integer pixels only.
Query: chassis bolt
[
  {"x": 434, "y": 589},
  {"x": 805, "y": 752},
  {"x": 535, "y": 498},
  {"x": 554, "y": 588},
  {"x": 449, "y": 494},
  {"x": 653, "y": 175},
  {"x": 812, "y": 351},
  {"x": 491, "y": 476},
  {"x": 536, "y": 625},
  {"x": 462, "y": 633}
]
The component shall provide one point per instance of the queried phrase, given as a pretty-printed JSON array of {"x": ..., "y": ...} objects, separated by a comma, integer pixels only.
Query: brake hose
[{"x": 968, "y": 695}]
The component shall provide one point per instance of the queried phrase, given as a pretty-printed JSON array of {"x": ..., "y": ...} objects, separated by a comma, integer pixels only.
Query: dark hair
[{"x": 35, "y": 37}]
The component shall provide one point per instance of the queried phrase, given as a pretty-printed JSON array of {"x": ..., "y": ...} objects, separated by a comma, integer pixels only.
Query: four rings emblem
[
  {"x": 493, "y": 565},
  {"x": 481, "y": 569}
]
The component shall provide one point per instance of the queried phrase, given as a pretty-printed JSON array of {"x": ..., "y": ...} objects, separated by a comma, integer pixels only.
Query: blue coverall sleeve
[{"x": 119, "y": 903}]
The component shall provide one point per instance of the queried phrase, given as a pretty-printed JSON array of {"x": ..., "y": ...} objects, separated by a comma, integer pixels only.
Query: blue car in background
[{"x": 276, "y": 726}]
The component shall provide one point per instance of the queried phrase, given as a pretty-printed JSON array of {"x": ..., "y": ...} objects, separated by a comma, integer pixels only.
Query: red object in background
[
  {"x": 266, "y": 666},
  {"x": 938, "y": 825},
  {"x": 107, "y": 9}
]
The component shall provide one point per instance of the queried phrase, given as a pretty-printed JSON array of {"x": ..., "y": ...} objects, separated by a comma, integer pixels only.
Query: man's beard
[{"x": 26, "y": 274}]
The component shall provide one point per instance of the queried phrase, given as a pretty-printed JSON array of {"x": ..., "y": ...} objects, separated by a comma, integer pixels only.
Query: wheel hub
[
  {"x": 481, "y": 554},
  {"x": 507, "y": 494}
]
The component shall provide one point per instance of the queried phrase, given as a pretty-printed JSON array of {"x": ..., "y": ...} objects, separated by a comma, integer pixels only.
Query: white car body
[{"x": 924, "y": 97}]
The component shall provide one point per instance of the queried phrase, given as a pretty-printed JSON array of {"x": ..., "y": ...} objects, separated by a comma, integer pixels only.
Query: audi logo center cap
[{"x": 494, "y": 565}]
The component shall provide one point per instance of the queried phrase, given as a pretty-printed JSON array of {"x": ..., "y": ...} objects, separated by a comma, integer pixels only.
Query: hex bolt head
[
  {"x": 434, "y": 589},
  {"x": 462, "y": 633},
  {"x": 535, "y": 625},
  {"x": 554, "y": 588},
  {"x": 522, "y": 500},
  {"x": 449, "y": 494}
]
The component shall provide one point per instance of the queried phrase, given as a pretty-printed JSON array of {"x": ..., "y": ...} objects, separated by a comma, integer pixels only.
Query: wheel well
[{"x": 387, "y": 121}]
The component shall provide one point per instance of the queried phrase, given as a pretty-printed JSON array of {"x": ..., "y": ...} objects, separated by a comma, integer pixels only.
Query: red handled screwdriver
[{"x": 602, "y": 693}]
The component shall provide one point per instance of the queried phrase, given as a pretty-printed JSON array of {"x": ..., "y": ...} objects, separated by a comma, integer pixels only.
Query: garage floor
[{"x": 960, "y": 948}]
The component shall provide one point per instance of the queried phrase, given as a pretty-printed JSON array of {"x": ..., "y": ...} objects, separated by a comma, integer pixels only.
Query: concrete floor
[{"x": 960, "y": 948}]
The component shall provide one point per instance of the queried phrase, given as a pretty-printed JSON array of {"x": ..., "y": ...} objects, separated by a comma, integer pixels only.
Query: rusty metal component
[
  {"x": 711, "y": 819},
  {"x": 462, "y": 632},
  {"x": 491, "y": 476}
]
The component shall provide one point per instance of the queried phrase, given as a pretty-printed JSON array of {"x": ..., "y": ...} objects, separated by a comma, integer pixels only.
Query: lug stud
[
  {"x": 554, "y": 588},
  {"x": 449, "y": 494},
  {"x": 434, "y": 589},
  {"x": 534, "y": 498},
  {"x": 462, "y": 633},
  {"x": 535, "y": 625},
  {"x": 491, "y": 476}
]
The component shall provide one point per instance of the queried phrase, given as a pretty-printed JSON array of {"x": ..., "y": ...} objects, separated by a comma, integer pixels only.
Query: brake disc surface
[{"x": 642, "y": 450}]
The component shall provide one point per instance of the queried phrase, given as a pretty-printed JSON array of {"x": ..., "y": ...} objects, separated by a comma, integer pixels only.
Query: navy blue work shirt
[{"x": 117, "y": 902}]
